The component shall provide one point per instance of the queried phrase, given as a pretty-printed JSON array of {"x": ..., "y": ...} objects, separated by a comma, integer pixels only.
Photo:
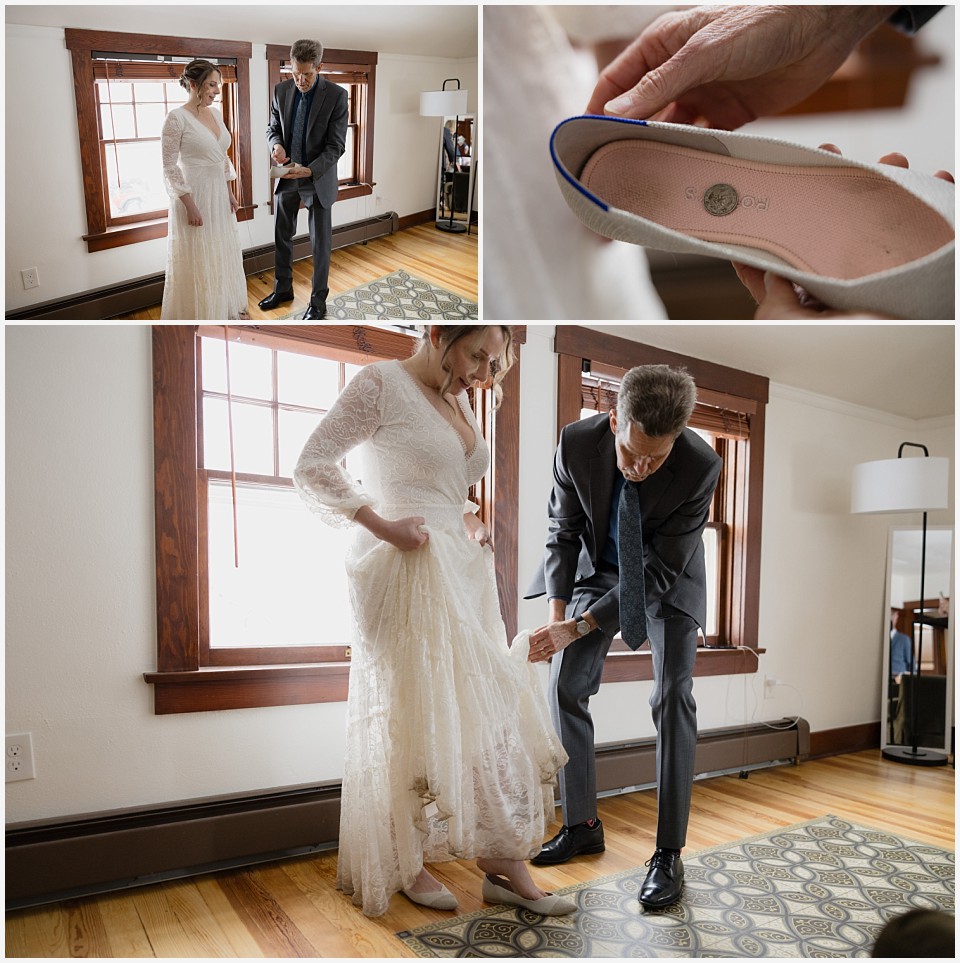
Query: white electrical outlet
[
  {"x": 18, "y": 759},
  {"x": 769, "y": 684},
  {"x": 30, "y": 278}
]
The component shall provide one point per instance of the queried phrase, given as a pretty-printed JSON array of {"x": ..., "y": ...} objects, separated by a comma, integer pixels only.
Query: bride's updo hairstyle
[
  {"x": 196, "y": 73},
  {"x": 450, "y": 334}
]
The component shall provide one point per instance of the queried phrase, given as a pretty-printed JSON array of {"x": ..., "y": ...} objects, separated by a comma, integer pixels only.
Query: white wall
[
  {"x": 80, "y": 600},
  {"x": 45, "y": 224}
]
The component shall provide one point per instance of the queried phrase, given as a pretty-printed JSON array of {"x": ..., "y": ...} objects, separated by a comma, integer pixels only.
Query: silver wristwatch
[{"x": 583, "y": 627}]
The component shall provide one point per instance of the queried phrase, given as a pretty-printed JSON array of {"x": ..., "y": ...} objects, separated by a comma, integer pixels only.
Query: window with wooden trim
[
  {"x": 730, "y": 415},
  {"x": 237, "y": 602},
  {"x": 124, "y": 85},
  {"x": 356, "y": 72}
]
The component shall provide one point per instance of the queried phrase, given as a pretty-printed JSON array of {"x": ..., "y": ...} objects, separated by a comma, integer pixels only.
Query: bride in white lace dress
[
  {"x": 450, "y": 750},
  {"x": 204, "y": 279}
]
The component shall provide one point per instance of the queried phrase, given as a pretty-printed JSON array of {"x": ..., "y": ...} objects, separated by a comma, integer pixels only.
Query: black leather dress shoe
[
  {"x": 274, "y": 300},
  {"x": 314, "y": 313},
  {"x": 571, "y": 841},
  {"x": 664, "y": 881}
]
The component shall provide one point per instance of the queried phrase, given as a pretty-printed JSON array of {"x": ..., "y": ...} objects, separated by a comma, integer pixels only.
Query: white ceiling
[
  {"x": 902, "y": 369},
  {"x": 428, "y": 31}
]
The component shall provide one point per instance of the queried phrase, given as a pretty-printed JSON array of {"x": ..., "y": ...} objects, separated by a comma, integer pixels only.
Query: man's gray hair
[
  {"x": 307, "y": 52},
  {"x": 658, "y": 399}
]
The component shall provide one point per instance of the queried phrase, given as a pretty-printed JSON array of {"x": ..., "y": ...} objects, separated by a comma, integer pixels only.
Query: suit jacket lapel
[
  {"x": 603, "y": 468},
  {"x": 318, "y": 96},
  {"x": 291, "y": 94}
]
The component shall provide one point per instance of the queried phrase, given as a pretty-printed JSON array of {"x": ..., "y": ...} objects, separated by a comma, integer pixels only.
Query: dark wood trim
[
  {"x": 421, "y": 217},
  {"x": 247, "y": 687},
  {"x": 638, "y": 666},
  {"x": 835, "y": 742},
  {"x": 175, "y": 494},
  {"x": 505, "y": 494},
  {"x": 609, "y": 349},
  {"x": 56, "y": 859}
]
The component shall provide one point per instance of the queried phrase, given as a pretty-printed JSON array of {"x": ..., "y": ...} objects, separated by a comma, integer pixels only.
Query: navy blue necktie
[
  {"x": 633, "y": 609},
  {"x": 296, "y": 145}
]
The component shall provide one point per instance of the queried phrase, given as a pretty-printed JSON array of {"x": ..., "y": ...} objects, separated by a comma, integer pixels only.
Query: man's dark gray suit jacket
[
  {"x": 674, "y": 507},
  {"x": 326, "y": 134}
]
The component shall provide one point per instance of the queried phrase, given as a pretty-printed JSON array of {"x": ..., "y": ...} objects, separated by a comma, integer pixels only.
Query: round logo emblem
[{"x": 721, "y": 199}]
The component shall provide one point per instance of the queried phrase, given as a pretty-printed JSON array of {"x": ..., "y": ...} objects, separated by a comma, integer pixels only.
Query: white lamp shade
[
  {"x": 900, "y": 485},
  {"x": 443, "y": 103}
]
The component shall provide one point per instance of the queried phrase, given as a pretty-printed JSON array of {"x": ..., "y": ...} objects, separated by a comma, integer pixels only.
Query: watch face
[{"x": 583, "y": 628}]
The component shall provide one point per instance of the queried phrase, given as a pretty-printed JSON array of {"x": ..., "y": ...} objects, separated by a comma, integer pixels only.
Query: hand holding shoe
[{"x": 779, "y": 300}]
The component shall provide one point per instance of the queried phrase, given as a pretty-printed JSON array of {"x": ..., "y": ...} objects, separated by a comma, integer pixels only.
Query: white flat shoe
[
  {"x": 441, "y": 899},
  {"x": 497, "y": 890},
  {"x": 857, "y": 236}
]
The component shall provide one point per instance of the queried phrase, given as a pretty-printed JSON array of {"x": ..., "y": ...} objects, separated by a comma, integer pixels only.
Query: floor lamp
[
  {"x": 905, "y": 485},
  {"x": 446, "y": 103}
]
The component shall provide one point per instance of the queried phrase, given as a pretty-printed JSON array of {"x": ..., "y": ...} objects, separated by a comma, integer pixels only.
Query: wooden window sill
[
  {"x": 248, "y": 687},
  {"x": 255, "y": 686},
  {"x": 125, "y": 234}
]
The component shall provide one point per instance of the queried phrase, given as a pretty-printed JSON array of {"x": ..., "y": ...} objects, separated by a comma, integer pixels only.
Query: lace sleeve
[
  {"x": 319, "y": 478},
  {"x": 170, "y": 149}
]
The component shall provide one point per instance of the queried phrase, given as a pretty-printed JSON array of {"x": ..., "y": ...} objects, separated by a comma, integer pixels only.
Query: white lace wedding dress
[
  {"x": 451, "y": 753},
  {"x": 204, "y": 280}
]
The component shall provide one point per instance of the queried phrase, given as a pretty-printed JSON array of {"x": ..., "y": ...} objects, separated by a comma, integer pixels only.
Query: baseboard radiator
[
  {"x": 58, "y": 859},
  {"x": 140, "y": 293}
]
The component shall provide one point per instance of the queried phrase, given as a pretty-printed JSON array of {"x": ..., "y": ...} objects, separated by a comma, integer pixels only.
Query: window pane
[
  {"x": 345, "y": 164},
  {"x": 306, "y": 381},
  {"x": 121, "y": 121},
  {"x": 251, "y": 369},
  {"x": 150, "y": 119},
  {"x": 252, "y": 437},
  {"x": 117, "y": 94},
  {"x": 291, "y": 586},
  {"x": 141, "y": 178},
  {"x": 175, "y": 94},
  {"x": 148, "y": 92},
  {"x": 711, "y": 545}
]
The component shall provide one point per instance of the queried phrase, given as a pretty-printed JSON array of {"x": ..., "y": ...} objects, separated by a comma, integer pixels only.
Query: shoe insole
[{"x": 839, "y": 222}]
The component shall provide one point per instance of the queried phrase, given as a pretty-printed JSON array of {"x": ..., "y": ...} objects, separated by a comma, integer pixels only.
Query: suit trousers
[
  {"x": 321, "y": 231},
  {"x": 575, "y": 674}
]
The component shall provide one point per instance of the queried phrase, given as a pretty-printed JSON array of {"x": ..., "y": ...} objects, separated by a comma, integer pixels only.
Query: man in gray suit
[
  {"x": 644, "y": 442},
  {"x": 308, "y": 124}
]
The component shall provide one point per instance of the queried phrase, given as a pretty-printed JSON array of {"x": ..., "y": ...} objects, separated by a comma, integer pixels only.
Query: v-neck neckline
[
  {"x": 423, "y": 394},
  {"x": 216, "y": 137}
]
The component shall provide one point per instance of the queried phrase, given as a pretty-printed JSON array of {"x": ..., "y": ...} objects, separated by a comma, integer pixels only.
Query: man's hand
[
  {"x": 298, "y": 170},
  {"x": 728, "y": 65},
  {"x": 549, "y": 639},
  {"x": 278, "y": 154}
]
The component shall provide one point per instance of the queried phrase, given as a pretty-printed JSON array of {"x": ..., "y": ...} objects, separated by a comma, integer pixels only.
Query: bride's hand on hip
[{"x": 405, "y": 533}]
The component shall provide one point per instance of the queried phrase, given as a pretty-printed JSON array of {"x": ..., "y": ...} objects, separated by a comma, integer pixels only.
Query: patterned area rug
[
  {"x": 823, "y": 888},
  {"x": 397, "y": 297}
]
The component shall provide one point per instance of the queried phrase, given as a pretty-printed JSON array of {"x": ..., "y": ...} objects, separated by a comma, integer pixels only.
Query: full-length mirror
[
  {"x": 918, "y": 643},
  {"x": 456, "y": 172}
]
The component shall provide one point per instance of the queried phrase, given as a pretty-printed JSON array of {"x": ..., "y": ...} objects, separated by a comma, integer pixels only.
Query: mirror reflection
[
  {"x": 918, "y": 643},
  {"x": 455, "y": 180}
]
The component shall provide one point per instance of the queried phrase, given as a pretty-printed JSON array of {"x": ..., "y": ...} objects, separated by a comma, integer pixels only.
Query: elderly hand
[
  {"x": 298, "y": 170},
  {"x": 779, "y": 300},
  {"x": 549, "y": 639},
  {"x": 728, "y": 65},
  {"x": 278, "y": 154}
]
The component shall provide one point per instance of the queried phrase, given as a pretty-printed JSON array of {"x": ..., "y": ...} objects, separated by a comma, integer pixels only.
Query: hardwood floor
[
  {"x": 292, "y": 908},
  {"x": 448, "y": 260}
]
